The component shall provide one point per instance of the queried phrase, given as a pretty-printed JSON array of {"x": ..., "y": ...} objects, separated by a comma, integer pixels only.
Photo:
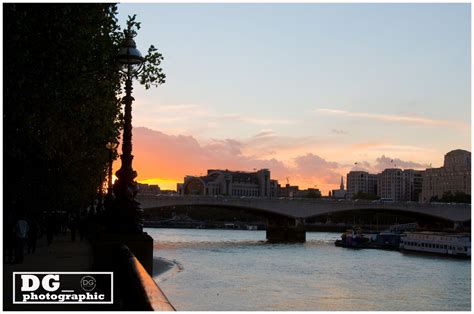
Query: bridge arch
[
  {"x": 286, "y": 216},
  {"x": 259, "y": 212},
  {"x": 304, "y": 208},
  {"x": 373, "y": 214}
]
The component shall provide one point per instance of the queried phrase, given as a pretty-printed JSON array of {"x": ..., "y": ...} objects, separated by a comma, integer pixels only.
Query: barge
[
  {"x": 437, "y": 243},
  {"x": 357, "y": 240}
]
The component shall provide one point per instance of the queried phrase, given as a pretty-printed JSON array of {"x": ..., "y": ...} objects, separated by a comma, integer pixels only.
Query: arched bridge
[
  {"x": 286, "y": 216},
  {"x": 305, "y": 208}
]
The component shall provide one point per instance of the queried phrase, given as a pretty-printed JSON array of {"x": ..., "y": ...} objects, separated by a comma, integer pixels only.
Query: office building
[
  {"x": 391, "y": 185},
  {"x": 454, "y": 176},
  {"x": 361, "y": 182},
  {"x": 230, "y": 183},
  {"x": 413, "y": 184}
]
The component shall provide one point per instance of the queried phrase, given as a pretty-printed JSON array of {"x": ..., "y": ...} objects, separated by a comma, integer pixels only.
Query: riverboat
[
  {"x": 437, "y": 242},
  {"x": 385, "y": 240},
  {"x": 353, "y": 238}
]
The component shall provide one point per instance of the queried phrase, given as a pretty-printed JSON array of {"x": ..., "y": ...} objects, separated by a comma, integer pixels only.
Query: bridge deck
[{"x": 305, "y": 208}]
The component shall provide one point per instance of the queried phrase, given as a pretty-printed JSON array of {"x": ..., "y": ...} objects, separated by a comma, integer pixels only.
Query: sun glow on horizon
[{"x": 164, "y": 184}]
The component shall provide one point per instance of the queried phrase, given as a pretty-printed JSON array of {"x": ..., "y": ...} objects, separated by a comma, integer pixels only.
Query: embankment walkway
[{"x": 61, "y": 255}]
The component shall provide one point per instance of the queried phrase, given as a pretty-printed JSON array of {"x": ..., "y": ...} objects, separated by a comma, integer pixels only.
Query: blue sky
[{"x": 346, "y": 82}]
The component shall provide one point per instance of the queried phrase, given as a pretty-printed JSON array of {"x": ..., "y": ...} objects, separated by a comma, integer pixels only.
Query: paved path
[{"x": 61, "y": 255}]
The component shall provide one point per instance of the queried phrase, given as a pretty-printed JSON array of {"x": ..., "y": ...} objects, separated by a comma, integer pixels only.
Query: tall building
[
  {"x": 400, "y": 185},
  {"x": 230, "y": 183},
  {"x": 391, "y": 185},
  {"x": 372, "y": 181},
  {"x": 413, "y": 184},
  {"x": 361, "y": 182},
  {"x": 454, "y": 176}
]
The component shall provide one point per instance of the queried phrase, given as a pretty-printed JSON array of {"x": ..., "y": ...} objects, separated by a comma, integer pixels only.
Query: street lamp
[{"x": 125, "y": 188}]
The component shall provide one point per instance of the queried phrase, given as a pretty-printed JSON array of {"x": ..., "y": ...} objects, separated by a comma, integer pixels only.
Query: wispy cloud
[
  {"x": 177, "y": 108},
  {"x": 339, "y": 131},
  {"x": 385, "y": 146},
  {"x": 255, "y": 120},
  {"x": 197, "y": 119},
  {"x": 270, "y": 143},
  {"x": 261, "y": 121},
  {"x": 265, "y": 133},
  {"x": 394, "y": 118}
]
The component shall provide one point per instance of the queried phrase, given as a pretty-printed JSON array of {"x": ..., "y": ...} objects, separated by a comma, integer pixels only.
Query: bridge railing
[{"x": 303, "y": 199}]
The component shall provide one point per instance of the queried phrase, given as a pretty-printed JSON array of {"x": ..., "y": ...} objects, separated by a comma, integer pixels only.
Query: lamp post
[
  {"x": 125, "y": 188},
  {"x": 109, "y": 197},
  {"x": 100, "y": 204},
  {"x": 111, "y": 146},
  {"x": 123, "y": 220}
]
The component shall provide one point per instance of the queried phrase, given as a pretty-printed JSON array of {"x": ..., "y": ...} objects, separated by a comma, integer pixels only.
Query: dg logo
[{"x": 88, "y": 283}]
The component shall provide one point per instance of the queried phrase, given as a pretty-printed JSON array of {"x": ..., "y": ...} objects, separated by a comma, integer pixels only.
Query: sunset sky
[{"x": 306, "y": 90}]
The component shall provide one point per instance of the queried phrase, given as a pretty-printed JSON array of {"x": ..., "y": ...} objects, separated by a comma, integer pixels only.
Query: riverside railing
[{"x": 138, "y": 291}]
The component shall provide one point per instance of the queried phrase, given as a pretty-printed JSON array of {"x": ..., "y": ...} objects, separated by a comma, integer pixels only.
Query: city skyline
[{"x": 306, "y": 90}]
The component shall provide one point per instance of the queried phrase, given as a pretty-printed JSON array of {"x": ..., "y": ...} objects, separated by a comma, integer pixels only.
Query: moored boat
[
  {"x": 437, "y": 242},
  {"x": 353, "y": 238},
  {"x": 385, "y": 240}
]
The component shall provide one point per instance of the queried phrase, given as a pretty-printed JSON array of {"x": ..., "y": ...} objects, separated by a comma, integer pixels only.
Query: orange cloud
[{"x": 165, "y": 160}]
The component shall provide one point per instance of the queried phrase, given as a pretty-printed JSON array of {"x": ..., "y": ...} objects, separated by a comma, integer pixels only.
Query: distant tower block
[{"x": 342, "y": 183}]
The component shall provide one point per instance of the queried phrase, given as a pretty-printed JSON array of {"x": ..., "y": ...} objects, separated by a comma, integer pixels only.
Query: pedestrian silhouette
[{"x": 21, "y": 232}]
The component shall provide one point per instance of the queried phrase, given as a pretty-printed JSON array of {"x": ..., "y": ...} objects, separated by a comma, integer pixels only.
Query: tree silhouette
[{"x": 61, "y": 101}]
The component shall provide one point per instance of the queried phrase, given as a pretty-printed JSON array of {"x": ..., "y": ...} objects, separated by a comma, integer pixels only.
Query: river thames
[{"x": 237, "y": 270}]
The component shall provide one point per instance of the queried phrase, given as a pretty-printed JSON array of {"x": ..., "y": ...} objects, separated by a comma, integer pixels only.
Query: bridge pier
[{"x": 285, "y": 229}]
